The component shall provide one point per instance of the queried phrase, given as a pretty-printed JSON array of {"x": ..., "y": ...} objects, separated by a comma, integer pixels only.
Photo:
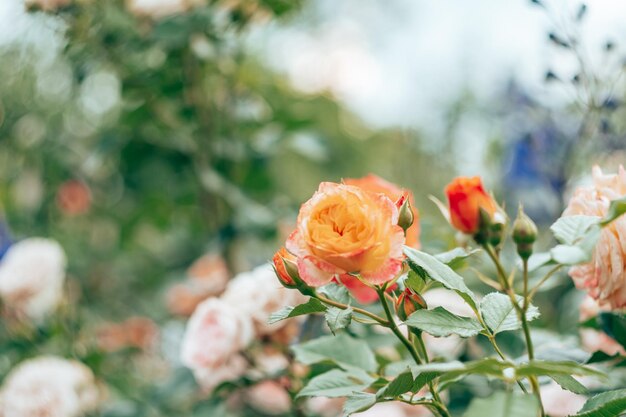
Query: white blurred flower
[
  {"x": 32, "y": 273},
  {"x": 258, "y": 293},
  {"x": 269, "y": 397},
  {"x": 157, "y": 9},
  {"x": 605, "y": 276},
  {"x": 558, "y": 402},
  {"x": 215, "y": 331},
  {"x": 325, "y": 407},
  {"x": 49, "y": 387},
  {"x": 451, "y": 346}
]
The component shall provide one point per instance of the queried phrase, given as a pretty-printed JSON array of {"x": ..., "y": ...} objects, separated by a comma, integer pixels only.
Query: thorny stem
[
  {"x": 411, "y": 348},
  {"x": 342, "y": 306},
  {"x": 521, "y": 312}
]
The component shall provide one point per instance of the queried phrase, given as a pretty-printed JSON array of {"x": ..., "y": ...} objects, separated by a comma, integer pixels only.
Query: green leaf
[
  {"x": 440, "y": 272},
  {"x": 358, "y": 401},
  {"x": 336, "y": 292},
  {"x": 336, "y": 383},
  {"x": 500, "y": 315},
  {"x": 439, "y": 322},
  {"x": 614, "y": 325},
  {"x": 345, "y": 351},
  {"x": 338, "y": 318},
  {"x": 414, "y": 282},
  {"x": 552, "y": 368},
  {"x": 607, "y": 404},
  {"x": 570, "y": 255},
  {"x": 311, "y": 306},
  {"x": 403, "y": 383},
  {"x": 616, "y": 209},
  {"x": 504, "y": 404},
  {"x": 456, "y": 257},
  {"x": 570, "y": 230},
  {"x": 422, "y": 379},
  {"x": 570, "y": 383}
]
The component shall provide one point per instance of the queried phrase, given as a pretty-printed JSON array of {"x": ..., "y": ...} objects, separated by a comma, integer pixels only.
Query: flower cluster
[{"x": 221, "y": 328}]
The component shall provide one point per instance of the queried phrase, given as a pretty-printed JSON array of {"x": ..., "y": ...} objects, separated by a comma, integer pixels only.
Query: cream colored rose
[
  {"x": 49, "y": 386},
  {"x": 258, "y": 294},
  {"x": 595, "y": 340},
  {"x": 605, "y": 276},
  {"x": 32, "y": 273},
  {"x": 215, "y": 332}
]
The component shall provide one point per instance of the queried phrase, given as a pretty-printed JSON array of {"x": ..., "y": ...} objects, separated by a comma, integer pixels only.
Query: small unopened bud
[
  {"x": 405, "y": 212},
  {"x": 496, "y": 228},
  {"x": 484, "y": 225},
  {"x": 524, "y": 234},
  {"x": 286, "y": 268},
  {"x": 408, "y": 303}
]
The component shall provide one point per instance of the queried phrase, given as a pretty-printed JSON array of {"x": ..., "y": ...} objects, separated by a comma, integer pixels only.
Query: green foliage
[
  {"x": 440, "y": 272},
  {"x": 343, "y": 350},
  {"x": 336, "y": 383},
  {"x": 616, "y": 209},
  {"x": 359, "y": 401},
  {"x": 338, "y": 318},
  {"x": 606, "y": 404},
  {"x": 439, "y": 322},
  {"x": 311, "y": 306},
  {"x": 500, "y": 315},
  {"x": 504, "y": 404}
]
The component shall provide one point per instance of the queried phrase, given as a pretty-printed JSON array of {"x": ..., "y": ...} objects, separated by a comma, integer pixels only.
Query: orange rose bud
[
  {"x": 466, "y": 198},
  {"x": 285, "y": 265},
  {"x": 408, "y": 303}
]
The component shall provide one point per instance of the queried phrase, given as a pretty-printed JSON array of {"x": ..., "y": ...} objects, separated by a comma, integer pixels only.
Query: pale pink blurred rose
[
  {"x": 325, "y": 407},
  {"x": 449, "y": 347},
  {"x": 416, "y": 410},
  {"x": 210, "y": 377},
  {"x": 158, "y": 9},
  {"x": 51, "y": 387},
  {"x": 258, "y": 294},
  {"x": 269, "y": 397},
  {"x": 605, "y": 276},
  {"x": 216, "y": 331},
  {"x": 32, "y": 274},
  {"x": 48, "y": 5},
  {"x": 594, "y": 340},
  {"x": 391, "y": 409},
  {"x": 558, "y": 402},
  {"x": 206, "y": 277}
]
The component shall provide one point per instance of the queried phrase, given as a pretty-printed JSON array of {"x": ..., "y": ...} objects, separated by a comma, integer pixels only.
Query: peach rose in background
[
  {"x": 605, "y": 276},
  {"x": 466, "y": 196},
  {"x": 74, "y": 198},
  {"x": 344, "y": 229},
  {"x": 256, "y": 294},
  {"x": 215, "y": 333},
  {"x": 47, "y": 5},
  {"x": 136, "y": 332},
  {"x": 32, "y": 274},
  {"x": 595, "y": 340},
  {"x": 269, "y": 397},
  {"x": 206, "y": 277},
  {"x": 51, "y": 387},
  {"x": 395, "y": 409}
]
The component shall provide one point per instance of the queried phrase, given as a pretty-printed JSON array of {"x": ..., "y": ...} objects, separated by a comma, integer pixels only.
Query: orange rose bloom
[
  {"x": 345, "y": 229},
  {"x": 279, "y": 266},
  {"x": 376, "y": 184},
  {"x": 466, "y": 196}
]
